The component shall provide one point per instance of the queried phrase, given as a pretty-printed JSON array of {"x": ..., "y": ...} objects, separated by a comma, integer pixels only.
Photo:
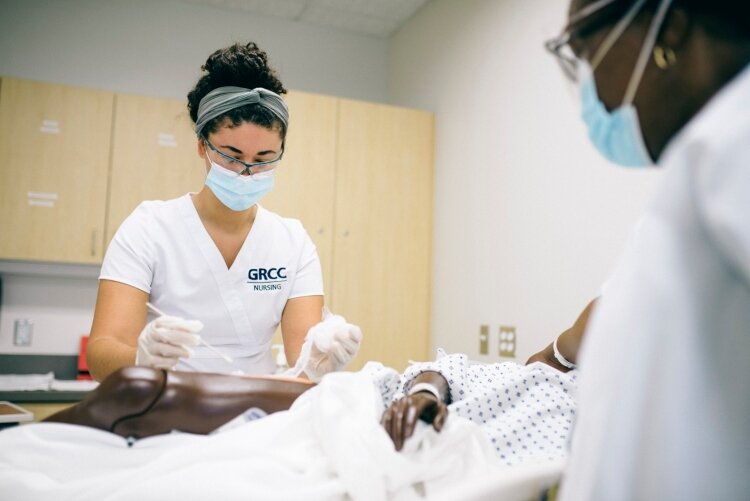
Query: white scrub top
[
  {"x": 664, "y": 410},
  {"x": 163, "y": 249}
]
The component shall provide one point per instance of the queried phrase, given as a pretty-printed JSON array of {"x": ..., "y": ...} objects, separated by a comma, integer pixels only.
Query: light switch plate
[
  {"x": 22, "y": 330},
  {"x": 507, "y": 341},
  {"x": 484, "y": 339}
]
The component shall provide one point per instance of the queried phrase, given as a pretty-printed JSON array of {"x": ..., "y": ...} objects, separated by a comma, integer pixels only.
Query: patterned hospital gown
[{"x": 526, "y": 411}]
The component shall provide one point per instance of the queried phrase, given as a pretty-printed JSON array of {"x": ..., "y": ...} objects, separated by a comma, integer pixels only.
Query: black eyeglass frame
[
  {"x": 247, "y": 166},
  {"x": 555, "y": 46},
  {"x": 569, "y": 64}
]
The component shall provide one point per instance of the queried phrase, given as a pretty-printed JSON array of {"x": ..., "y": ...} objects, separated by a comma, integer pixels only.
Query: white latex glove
[
  {"x": 328, "y": 347},
  {"x": 165, "y": 340}
]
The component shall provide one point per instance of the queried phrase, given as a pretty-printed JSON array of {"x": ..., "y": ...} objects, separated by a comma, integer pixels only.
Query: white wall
[
  {"x": 61, "y": 307},
  {"x": 155, "y": 48},
  {"x": 528, "y": 218}
]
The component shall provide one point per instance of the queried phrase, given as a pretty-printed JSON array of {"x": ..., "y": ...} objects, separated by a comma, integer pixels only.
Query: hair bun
[
  {"x": 243, "y": 66},
  {"x": 240, "y": 65}
]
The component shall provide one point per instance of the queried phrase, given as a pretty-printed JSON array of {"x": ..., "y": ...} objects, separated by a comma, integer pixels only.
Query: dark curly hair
[{"x": 242, "y": 66}]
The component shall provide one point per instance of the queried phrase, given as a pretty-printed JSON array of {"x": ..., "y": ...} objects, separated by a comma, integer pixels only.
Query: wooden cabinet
[
  {"x": 358, "y": 175},
  {"x": 154, "y": 155},
  {"x": 384, "y": 186},
  {"x": 54, "y": 152},
  {"x": 305, "y": 180}
]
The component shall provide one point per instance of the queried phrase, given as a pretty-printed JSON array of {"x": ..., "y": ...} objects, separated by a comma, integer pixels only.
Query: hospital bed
[{"x": 328, "y": 445}]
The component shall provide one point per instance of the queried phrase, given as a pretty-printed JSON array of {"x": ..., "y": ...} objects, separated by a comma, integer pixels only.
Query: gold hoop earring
[{"x": 664, "y": 57}]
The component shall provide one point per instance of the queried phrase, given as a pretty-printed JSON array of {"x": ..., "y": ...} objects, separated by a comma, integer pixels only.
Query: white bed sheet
[
  {"x": 508, "y": 483},
  {"x": 330, "y": 445}
]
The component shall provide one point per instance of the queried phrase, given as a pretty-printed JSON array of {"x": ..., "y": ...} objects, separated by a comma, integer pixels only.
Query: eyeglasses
[
  {"x": 564, "y": 55},
  {"x": 560, "y": 45},
  {"x": 232, "y": 163}
]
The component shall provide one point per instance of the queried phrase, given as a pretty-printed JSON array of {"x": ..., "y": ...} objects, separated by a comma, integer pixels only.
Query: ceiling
[{"x": 378, "y": 18}]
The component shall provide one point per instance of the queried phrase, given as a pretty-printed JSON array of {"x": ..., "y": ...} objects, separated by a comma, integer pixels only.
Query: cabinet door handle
[{"x": 93, "y": 242}]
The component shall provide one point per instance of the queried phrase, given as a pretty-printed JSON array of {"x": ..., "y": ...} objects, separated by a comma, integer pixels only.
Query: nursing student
[
  {"x": 664, "y": 407},
  {"x": 222, "y": 269},
  {"x": 664, "y": 365}
]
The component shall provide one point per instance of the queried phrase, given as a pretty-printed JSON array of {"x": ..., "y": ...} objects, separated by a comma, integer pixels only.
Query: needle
[{"x": 200, "y": 339}]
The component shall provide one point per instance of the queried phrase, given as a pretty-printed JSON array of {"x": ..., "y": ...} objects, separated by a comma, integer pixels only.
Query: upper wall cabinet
[
  {"x": 305, "y": 180},
  {"x": 54, "y": 152},
  {"x": 154, "y": 155},
  {"x": 358, "y": 175}
]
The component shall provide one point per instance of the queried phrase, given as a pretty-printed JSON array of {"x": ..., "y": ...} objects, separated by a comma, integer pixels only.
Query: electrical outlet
[
  {"x": 507, "y": 341},
  {"x": 484, "y": 339},
  {"x": 22, "y": 330}
]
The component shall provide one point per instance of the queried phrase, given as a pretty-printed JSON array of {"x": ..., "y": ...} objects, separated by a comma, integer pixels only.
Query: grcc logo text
[{"x": 266, "y": 274}]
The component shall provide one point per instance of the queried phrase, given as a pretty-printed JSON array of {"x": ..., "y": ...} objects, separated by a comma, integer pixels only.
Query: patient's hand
[{"x": 401, "y": 417}]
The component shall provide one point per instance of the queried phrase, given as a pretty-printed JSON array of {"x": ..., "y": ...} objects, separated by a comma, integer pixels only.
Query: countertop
[
  {"x": 63, "y": 366},
  {"x": 42, "y": 396}
]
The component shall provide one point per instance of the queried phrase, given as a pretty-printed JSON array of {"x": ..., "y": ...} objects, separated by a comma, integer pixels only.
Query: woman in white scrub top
[
  {"x": 664, "y": 409},
  {"x": 216, "y": 263}
]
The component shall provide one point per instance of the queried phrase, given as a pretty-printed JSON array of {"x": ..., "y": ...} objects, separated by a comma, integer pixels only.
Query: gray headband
[{"x": 223, "y": 99}]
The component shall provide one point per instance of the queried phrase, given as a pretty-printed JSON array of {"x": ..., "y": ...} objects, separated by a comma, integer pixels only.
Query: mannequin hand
[
  {"x": 401, "y": 417},
  {"x": 334, "y": 343},
  {"x": 164, "y": 340}
]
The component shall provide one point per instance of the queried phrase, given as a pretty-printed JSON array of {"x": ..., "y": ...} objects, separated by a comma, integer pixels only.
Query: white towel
[{"x": 26, "y": 382}]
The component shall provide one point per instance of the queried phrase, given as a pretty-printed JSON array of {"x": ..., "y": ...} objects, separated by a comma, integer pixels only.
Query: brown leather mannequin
[{"x": 141, "y": 401}]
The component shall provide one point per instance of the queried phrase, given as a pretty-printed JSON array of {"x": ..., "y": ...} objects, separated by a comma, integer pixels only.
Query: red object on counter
[{"x": 83, "y": 366}]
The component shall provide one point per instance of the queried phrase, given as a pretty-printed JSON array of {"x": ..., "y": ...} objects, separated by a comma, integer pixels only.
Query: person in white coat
[
  {"x": 224, "y": 271},
  {"x": 664, "y": 409}
]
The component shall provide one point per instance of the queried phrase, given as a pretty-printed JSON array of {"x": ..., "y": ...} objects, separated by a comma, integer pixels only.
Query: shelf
[{"x": 45, "y": 269}]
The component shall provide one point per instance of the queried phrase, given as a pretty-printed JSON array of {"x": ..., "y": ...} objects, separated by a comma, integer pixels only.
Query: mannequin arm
[{"x": 142, "y": 401}]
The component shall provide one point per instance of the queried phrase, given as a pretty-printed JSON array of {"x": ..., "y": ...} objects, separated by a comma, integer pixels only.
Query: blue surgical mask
[
  {"x": 616, "y": 134},
  {"x": 235, "y": 191}
]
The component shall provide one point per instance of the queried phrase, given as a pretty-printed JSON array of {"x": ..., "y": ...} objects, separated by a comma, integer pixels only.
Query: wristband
[
  {"x": 425, "y": 387},
  {"x": 558, "y": 356}
]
